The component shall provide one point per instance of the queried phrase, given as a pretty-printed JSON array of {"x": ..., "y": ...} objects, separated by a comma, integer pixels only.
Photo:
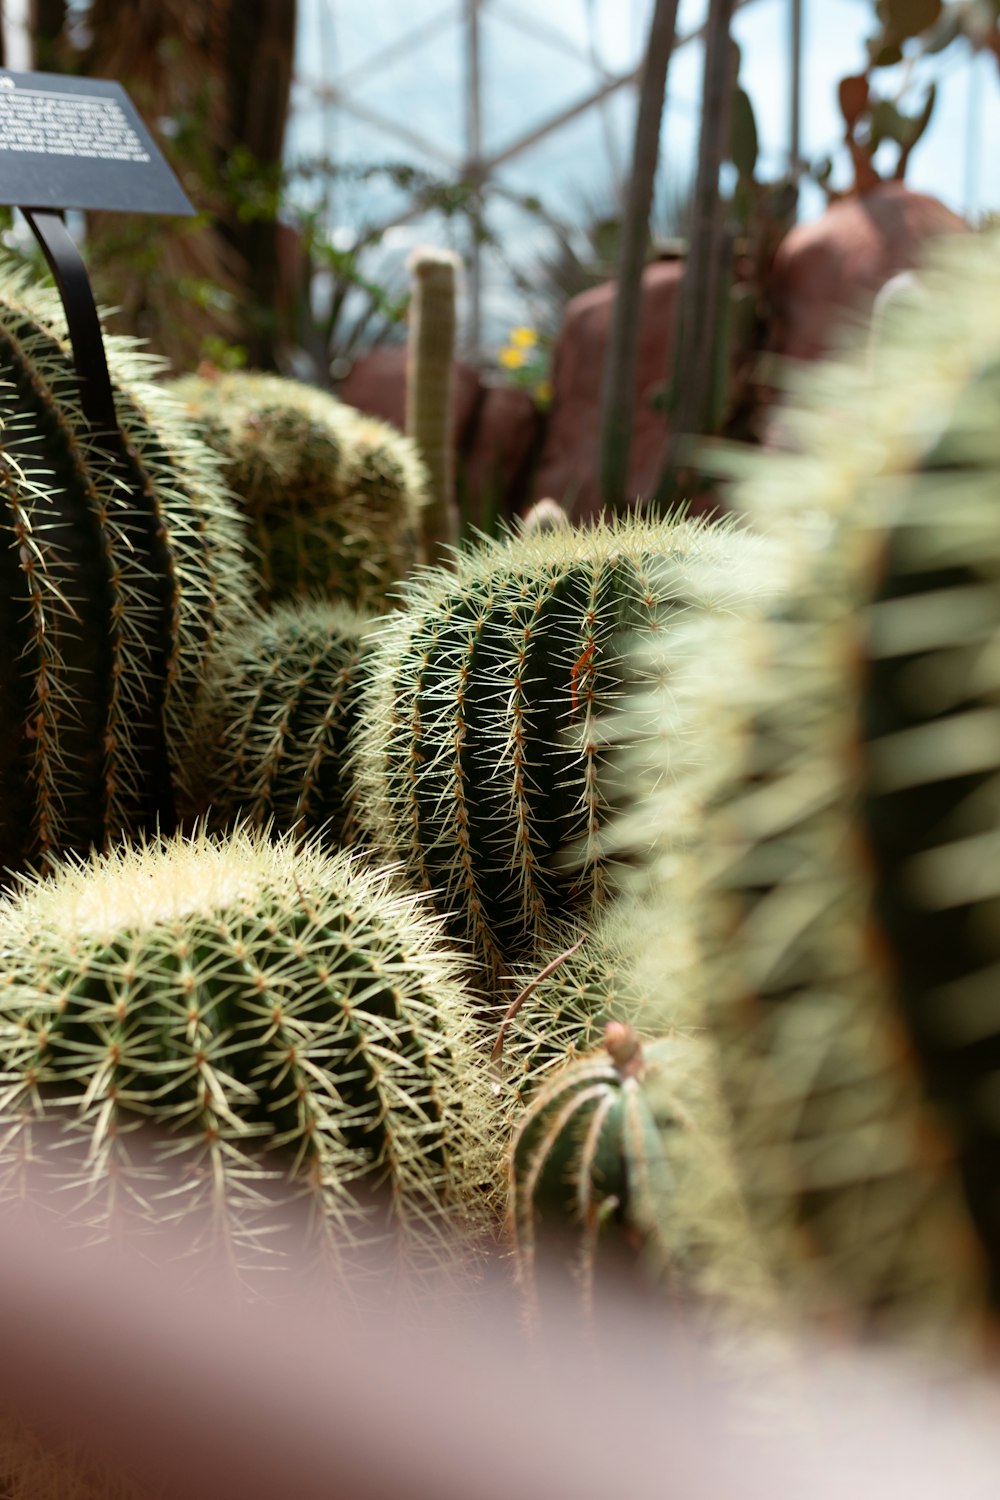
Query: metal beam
[
  {"x": 474, "y": 170},
  {"x": 401, "y": 47},
  {"x": 331, "y": 93},
  {"x": 795, "y": 91},
  {"x": 543, "y": 32},
  {"x": 564, "y": 116}
]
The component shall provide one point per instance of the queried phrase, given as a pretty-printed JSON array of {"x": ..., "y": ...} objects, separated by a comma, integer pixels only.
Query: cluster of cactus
[
  {"x": 480, "y": 756},
  {"x": 757, "y": 1023},
  {"x": 277, "y": 719},
  {"x": 120, "y": 567},
  {"x": 333, "y": 499},
  {"x": 278, "y": 1014}
]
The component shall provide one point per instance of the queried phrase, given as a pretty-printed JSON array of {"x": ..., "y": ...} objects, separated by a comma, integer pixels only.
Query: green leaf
[
  {"x": 743, "y": 135},
  {"x": 919, "y": 123},
  {"x": 887, "y": 124},
  {"x": 906, "y": 18},
  {"x": 884, "y": 53},
  {"x": 944, "y": 33}
]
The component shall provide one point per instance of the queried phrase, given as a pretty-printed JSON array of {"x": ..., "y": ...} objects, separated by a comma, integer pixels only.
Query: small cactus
[
  {"x": 279, "y": 710},
  {"x": 273, "y": 1014},
  {"x": 117, "y": 575},
  {"x": 430, "y": 359},
  {"x": 629, "y": 1145},
  {"x": 480, "y": 756},
  {"x": 333, "y": 498}
]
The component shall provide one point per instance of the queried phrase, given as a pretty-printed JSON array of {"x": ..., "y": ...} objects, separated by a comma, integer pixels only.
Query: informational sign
[{"x": 80, "y": 143}]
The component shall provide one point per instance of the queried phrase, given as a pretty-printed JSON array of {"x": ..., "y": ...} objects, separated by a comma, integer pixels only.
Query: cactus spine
[
  {"x": 279, "y": 710},
  {"x": 850, "y": 790},
  {"x": 275, "y": 1012},
  {"x": 429, "y": 362},
  {"x": 333, "y": 498},
  {"x": 118, "y": 574},
  {"x": 480, "y": 757}
]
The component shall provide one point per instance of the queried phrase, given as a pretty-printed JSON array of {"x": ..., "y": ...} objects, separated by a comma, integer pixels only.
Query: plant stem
[{"x": 618, "y": 401}]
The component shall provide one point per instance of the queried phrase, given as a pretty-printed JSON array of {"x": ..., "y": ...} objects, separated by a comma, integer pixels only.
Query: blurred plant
[
  {"x": 525, "y": 361},
  {"x": 618, "y": 396},
  {"x": 908, "y": 32},
  {"x": 719, "y": 317}
]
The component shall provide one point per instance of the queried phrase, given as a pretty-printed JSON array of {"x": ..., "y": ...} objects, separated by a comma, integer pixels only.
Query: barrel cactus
[
  {"x": 280, "y": 706},
  {"x": 849, "y": 762},
  {"x": 333, "y": 498},
  {"x": 480, "y": 756},
  {"x": 279, "y": 1019},
  {"x": 627, "y": 1149},
  {"x": 119, "y": 572}
]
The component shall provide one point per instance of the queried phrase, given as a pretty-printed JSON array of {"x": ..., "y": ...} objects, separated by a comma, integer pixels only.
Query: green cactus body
[
  {"x": 333, "y": 498},
  {"x": 273, "y": 1014},
  {"x": 588, "y": 1145},
  {"x": 851, "y": 798},
  {"x": 119, "y": 572},
  {"x": 626, "y": 1149},
  {"x": 929, "y": 710},
  {"x": 429, "y": 364},
  {"x": 480, "y": 754},
  {"x": 279, "y": 710}
]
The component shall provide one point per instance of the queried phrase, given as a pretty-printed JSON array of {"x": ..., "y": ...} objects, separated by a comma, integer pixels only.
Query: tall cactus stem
[{"x": 429, "y": 365}]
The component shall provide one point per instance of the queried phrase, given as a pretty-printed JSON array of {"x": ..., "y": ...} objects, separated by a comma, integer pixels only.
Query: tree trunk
[
  {"x": 618, "y": 400},
  {"x": 48, "y": 22},
  {"x": 220, "y": 72},
  {"x": 695, "y": 353},
  {"x": 259, "y": 59}
]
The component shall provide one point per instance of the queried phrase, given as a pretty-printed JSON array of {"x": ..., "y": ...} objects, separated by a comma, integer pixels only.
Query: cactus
[
  {"x": 429, "y": 362},
  {"x": 276, "y": 1014},
  {"x": 479, "y": 758},
  {"x": 34, "y": 1467},
  {"x": 628, "y": 1146},
  {"x": 333, "y": 498},
  {"x": 279, "y": 710},
  {"x": 850, "y": 932},
  {"x": 118, "y": 573}
]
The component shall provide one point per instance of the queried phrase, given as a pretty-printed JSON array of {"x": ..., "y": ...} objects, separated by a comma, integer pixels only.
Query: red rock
[
  {"x": 827, "y": 272},
  {"x": 569, "y": 465},
  {"x": 498, "y": 454},
  {"x": 377, "y": 385}
]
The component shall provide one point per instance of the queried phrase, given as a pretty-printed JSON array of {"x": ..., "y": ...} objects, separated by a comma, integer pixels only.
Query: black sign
[{"x": 79, "y": 143}]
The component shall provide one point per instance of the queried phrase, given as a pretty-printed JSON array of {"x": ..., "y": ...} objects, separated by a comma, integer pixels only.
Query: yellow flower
[
  {"x": 511, "y": 358},
  {"x": 523, "y": 338}
]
